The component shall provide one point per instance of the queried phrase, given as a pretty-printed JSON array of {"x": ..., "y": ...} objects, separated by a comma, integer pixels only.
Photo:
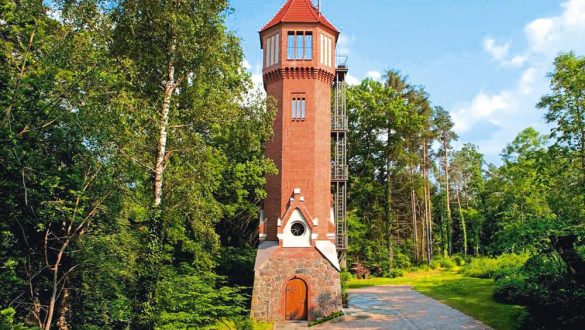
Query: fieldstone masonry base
[{"x": 272, "y": 276}]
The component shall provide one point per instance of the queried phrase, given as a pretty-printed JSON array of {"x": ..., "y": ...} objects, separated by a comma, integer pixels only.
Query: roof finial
[{"x": 319, "y": 7}]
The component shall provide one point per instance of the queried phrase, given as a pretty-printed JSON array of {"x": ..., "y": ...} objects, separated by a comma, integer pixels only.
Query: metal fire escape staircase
[{"x": 339, "y": 167}]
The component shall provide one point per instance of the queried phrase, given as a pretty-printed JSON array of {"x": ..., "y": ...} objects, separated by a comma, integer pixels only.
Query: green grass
[
  {"x": 472, "y": 296},
  {"x": 230, "y": 325},
  {"x": 257, "y": 325}
]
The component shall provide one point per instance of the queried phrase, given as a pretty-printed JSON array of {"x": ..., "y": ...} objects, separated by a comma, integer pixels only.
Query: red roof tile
[{"x": 299, "y": 11}]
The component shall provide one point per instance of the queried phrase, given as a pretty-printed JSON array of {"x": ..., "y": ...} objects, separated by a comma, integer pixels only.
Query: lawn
[{"x": 472, "y": 296}]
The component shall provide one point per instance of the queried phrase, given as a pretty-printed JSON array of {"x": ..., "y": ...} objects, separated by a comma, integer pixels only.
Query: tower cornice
[{"x": 298, "y": 73}]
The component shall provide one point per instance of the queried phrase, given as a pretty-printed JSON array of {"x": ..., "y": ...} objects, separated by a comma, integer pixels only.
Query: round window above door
[{"x": 297, "y": 229}]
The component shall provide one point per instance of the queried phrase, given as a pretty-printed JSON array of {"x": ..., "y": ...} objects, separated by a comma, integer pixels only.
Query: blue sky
[{"x": 483, "y": 60}]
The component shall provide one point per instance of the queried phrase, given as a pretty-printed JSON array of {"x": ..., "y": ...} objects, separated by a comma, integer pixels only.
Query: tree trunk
[
  {"x": 170, "y": 86},
  {"x": 463, "y": 226},
  {"x": 64, "y": 311},
  {"x": 444, "y": 235},
  {"x": 424, "y": 220},
  {"x": 414, "y": 220},
  {"x": 55, "y": 291},
  {"x": 389, "y": 217},
  {"x": 447, "y": 197},
  {"x": 575, "y": 264},
  {"x": 427, "y": 203}
]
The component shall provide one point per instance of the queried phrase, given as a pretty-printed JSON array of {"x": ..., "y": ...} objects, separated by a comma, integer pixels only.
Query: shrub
[
  {"x": 442, "y": 262},
  {"x": 345, "y": 277},
  {"x": 326, "y": 318},
  {"x": 434, "y": 264},
  {"x": 7, "y": 321},
  {"x": 395, "y": 273},
  {"x": 553, "y": 299},
  {"x": 502, "y": 266},
  {"x": 512, "y": 290},
  {"x": 458, "y": 260}
]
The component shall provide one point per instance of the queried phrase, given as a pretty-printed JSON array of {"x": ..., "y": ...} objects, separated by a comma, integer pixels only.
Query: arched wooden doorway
[{"x": 296, "y": 300}]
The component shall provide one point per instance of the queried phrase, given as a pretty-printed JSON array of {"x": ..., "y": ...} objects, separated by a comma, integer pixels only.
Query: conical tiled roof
[{"x": 299, "y": 11}]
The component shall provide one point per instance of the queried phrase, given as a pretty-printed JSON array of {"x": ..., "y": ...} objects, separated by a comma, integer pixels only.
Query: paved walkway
[{"x": 398, "y": 307}]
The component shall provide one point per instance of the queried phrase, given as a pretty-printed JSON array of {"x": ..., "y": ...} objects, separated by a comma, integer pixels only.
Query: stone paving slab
[
  {"x": 399, "y": 307},
  {"x": 291, "y": 325}
]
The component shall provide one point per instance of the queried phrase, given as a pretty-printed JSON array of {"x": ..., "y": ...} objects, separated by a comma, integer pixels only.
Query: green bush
[
  {"x": 512, "y": 290},
  {"x": 502, "y": 266},
  {"x": 442, "y": 262},
  {"x": 326, "y": 318},
  {"x": 553, "y": 298},
  {"x": 345, "y": 277},
  {"x": 7, "y": 321},
  {"x": 458, "y": 260}
]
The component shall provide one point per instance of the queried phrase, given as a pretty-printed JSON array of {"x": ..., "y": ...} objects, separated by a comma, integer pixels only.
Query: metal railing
[
  {"x": 339, "y": 172},
  {"x": 339, "y": 123},
  {"x": 339, "y": 168}
]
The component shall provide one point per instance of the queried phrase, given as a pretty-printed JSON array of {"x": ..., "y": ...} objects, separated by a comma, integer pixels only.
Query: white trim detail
[
  {"x": 329, "y": 251},
  {"x": 315, "y": 222},
  {"x": 265, "y": 251},
  {"x": 279, "y": 222},
  {"x": 297, "y": 191},
  {"x": 290, "y": 240},
  {"x": 332, "y": 216}
]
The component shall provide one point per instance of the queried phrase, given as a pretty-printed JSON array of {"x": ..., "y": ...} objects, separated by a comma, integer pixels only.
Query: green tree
[
  {"x": 187, "y": 92},
  {"x": 57, "y": 185},
  {"x": 443, "y": 126},
  {"x": 469, "y": 185},
  {"x": 565, "y": 110}
]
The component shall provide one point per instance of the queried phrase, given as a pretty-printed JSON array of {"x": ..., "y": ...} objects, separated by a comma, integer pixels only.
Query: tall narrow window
[
  {"x": 309, "y": 46},
  {"x": 299, "y": 45},
  {"x": 299, "y": 108},
  {"x": 291, "y": 46},
  {"x": 298, "y": 116},
  {"x": 269, "y": 52},
  {"x": 276, "y": 49},
  {"x": 322, "y": 52},
  {"x": 326, "y": 54}
]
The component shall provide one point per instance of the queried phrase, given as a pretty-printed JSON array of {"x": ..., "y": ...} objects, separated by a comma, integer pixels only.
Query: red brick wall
[{"x": 300, "y": 149}]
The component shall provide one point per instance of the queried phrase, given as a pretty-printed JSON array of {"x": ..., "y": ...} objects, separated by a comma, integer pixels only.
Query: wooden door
[{"x": 296, "y": 300}]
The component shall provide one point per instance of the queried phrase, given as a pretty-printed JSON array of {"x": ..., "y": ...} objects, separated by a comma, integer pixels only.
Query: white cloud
[
  {"x": 375, "y": 75},
  {"x": 505, "y": 113},
  {"x": 352, "y": 80},
  {"x": 484, "y": 107},
  {"x": 246, "y": 64},
  {"x": 344, "y": 45},
  {"x": 518, "y": 60},
  {"x": 499, "y": 52}
]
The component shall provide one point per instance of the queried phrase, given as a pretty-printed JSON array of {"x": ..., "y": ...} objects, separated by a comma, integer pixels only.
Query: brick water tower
[{"x": 297, "y": 266}]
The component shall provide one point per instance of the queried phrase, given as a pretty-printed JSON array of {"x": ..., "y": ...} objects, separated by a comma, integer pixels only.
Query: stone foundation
[{"x": 284, "y": 264}]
